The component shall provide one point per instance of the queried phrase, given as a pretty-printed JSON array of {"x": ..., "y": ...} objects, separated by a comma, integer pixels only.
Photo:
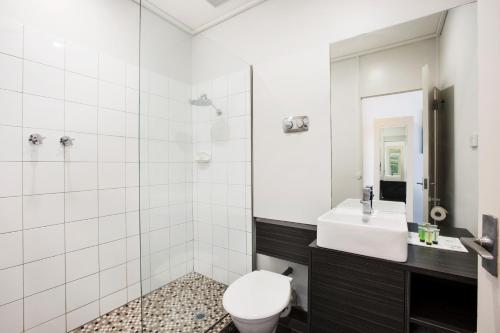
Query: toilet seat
[{"x": 257, "y": 295}]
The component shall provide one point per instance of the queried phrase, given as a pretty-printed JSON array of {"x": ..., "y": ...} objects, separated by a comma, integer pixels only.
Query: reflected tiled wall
[
  {"x": 222, "y": 187},
  {"x": 166, "y": 180}
]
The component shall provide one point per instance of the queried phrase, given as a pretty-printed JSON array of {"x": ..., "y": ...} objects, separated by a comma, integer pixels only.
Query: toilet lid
[{"x": 257, "y": 295}]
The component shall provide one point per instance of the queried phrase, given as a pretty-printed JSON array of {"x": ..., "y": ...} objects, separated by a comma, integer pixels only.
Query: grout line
[{"x": 22, "y": 181}]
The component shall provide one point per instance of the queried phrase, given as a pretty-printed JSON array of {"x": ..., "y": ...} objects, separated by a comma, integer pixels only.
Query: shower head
[{"x": 203, "y": 100}]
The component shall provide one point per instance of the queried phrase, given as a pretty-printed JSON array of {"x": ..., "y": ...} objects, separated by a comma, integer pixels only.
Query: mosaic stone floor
[{"x": 174, "y": 308}]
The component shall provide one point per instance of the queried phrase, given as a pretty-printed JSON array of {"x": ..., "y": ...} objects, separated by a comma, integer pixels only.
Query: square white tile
[
  {"x": 43, "y": 177},
  {"x": 112, "y": 254},
  {"x": 113, "y": 301},
  {"x": 43, "y": 210},
  {"x": 82, "y": 315},
  {"x": 111, "y": 148},
  {"x": 11, "y": 37},
  {"x": 82, "y": 292},
  {"x": 112, "y": 228},
  {"x": 43, "y": 274},
  {"x": 43, "y": 242},
  {"x": 112, "y": 122},
  {"x": 111, "y": 96},
  {"x": 11, "y": 249},
  {"x": 111, "y": 175},
  {"x": 237, "y": 240},
  {"x": 11, "y": 284},
  {"x": 43, "y": 47},
  {"x": 44, "y": 306},
  {"x": 11, "y": 106},
  {"x": 81, "y": 59},
  {"x": 11, "y": 316},
  {"x": 10, "y": 143},
  {"x": 11, "y": 179},
  {"x": 56, "y": 325},
  {"x": 112, "y": 69},
  {"x": 11, "y": 214},
  {"x": 111, "y": 201},
  {"x": 81, "y": 205},
  {"x": 80, "y": 176},
  {"x": 81, "y": 89},
  {"x": 80, "y": 118},
  {"x": 112, "y": 280},
  {"x": 82, "y": 263},
  {"x": 43, "y": 80},
  {"x": 43, "y": 112},
  {"x": 81, "y": 234},
  {"x": 12, "y": 73}
]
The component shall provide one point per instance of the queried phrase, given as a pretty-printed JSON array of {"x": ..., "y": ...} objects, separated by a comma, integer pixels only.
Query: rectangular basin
[{"x": 382, "y": 234}]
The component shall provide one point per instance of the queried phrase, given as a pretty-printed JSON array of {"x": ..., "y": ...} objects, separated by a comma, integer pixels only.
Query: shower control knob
[
  {"x": 36, "y": 139},
  {"x": 299, "y": 123},
  {"x": 288, "y": 124},
  {"x": 66, "y": 141}
]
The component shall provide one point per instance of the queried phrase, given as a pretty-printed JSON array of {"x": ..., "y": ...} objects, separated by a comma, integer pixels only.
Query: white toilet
[{"x": 256, "y": 300}]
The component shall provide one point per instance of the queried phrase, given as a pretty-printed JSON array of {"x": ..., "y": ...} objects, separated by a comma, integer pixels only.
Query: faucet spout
[{"x": 367, "y": 200}]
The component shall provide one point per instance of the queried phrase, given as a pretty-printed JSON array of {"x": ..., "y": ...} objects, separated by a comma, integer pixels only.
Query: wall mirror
[{"x": 404, "y": 117}]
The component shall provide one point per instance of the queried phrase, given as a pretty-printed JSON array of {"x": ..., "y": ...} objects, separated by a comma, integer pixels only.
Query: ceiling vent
[{"x": 217, "y": 3}]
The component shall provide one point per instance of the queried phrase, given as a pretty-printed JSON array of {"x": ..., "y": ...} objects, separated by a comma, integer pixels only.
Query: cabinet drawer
[{"x": 350, "y": 293}]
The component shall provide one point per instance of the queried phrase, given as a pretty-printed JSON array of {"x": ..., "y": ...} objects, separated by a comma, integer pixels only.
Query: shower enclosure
[{"x": 130, "y": 207}]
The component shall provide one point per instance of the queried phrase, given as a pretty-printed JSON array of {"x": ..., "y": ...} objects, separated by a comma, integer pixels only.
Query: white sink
[{"x": 382, "y": 234}]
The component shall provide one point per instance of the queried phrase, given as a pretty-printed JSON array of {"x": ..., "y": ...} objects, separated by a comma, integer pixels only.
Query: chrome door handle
[
  {"x": 487, "y": 245},
  {"x": 481, "y": 246}
]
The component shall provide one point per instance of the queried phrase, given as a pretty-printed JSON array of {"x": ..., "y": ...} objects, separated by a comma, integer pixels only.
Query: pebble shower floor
[{"x": 190, "y": 304}]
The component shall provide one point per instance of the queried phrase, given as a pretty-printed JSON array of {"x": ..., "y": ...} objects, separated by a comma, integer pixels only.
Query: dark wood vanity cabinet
[
  {"x": 435, "y": 291},
  {"x": 350, "y": 293}
]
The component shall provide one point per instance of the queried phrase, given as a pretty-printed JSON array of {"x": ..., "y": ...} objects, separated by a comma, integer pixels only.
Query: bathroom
[{"x": 198, "y": 166}]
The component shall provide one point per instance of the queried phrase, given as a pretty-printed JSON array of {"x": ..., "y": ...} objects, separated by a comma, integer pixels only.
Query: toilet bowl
[{"x": 256, "y": 300}]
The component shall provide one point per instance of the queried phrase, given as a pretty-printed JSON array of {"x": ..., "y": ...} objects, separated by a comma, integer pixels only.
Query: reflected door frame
[{"x": 406, "y": 122}]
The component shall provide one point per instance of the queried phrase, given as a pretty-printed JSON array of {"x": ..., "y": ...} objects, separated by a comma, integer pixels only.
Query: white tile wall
[
  {"x": 221, "y": 188},
  {"x": 69, "y": 237},
  {"x": 64, "y": 227}
]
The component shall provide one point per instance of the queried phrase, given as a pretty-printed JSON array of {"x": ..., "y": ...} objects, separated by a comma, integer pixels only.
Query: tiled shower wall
[
  {"x": 69, "y": 217},
  {"x": 222, "y": 187}
]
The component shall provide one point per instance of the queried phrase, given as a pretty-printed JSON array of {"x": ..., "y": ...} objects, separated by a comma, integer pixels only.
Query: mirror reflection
[{"x": 404, "y": 117}]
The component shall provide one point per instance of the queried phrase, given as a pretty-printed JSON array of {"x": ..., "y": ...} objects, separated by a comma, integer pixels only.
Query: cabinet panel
[{"x": 349, "y": 293}]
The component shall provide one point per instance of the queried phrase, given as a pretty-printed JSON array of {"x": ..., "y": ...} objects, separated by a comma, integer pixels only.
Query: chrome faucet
[{"x": 367, "y": 200}]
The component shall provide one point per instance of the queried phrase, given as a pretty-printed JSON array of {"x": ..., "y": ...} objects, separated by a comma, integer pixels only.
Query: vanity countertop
[{"x": 451, "y": 265}]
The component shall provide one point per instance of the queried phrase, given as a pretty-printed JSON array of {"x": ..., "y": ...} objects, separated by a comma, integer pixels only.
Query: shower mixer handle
[
  {"x": 66, "y": 141},
  {"x": 36, "y": 139}
]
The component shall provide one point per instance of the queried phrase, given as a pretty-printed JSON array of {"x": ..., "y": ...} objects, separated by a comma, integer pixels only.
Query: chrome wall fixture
[
  {"x": 296, "y": 124},
  {"x": 36, "y": 139},
  {"x": 66, "y": 141}
]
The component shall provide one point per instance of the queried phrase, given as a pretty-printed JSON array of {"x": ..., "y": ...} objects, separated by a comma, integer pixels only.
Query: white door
[{"x": 489, "y": 151}]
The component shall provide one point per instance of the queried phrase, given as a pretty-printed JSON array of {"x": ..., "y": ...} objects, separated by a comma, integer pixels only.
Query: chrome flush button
[{"x": 296, "y": 124}]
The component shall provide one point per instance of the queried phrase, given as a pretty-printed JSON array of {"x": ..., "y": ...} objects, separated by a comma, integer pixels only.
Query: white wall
[
  {"x": 458, "y": 68},
  {"x": 396, "y": 69},
  {"x": 292, "y": 171},
  {"x": 69, "y": 230},
  {"x": 489, "y": 159}
]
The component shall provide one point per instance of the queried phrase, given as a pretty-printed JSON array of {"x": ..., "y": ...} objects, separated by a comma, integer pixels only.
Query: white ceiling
[
  {"x": 195, "y": 16},
  {"x": 421, "y": 28}
]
